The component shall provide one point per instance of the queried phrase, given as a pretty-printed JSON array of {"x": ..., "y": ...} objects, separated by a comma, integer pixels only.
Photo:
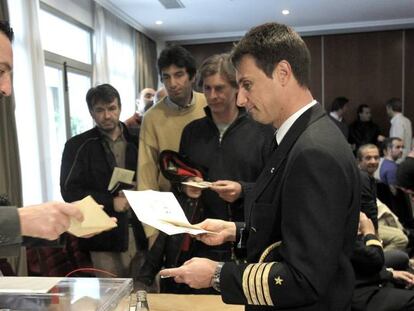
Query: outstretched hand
[
  {"x": 405, "y": 276},
  {"x": 196, "y": 272},
  {"x": 228, "y": 190},
  {"x": 224, "y": 231},
  {"x": 47, "y": 220}
]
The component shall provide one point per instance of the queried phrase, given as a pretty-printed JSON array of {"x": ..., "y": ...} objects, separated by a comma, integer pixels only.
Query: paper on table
[
  {"x": 161, "y": 210},
  {"x": 38, "y": 285},
  {"x": 95, "y": 219},
  {"x": 198, "y": 184},
  {"x": 120, "y": 175}
]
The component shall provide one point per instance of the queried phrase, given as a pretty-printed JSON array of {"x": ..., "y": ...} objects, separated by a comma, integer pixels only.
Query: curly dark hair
[{"x": 178, "y": 56}]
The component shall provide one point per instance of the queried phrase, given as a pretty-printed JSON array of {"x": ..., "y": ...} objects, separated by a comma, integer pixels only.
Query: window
[
  {"x": 68, "y": 73},
  {"x": 63, "y": 38}
]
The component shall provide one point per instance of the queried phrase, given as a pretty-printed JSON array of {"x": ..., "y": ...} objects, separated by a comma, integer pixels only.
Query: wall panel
[
  {"x": 202, "y": 51},
  {"x": 366, "y": 68},
  {"x": 315, "y": 49},
  {"x": 409, "y": 75}
]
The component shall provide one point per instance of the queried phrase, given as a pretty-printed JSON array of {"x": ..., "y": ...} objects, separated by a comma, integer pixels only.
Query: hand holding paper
[
  {"x": 161, "y": 210},
  {"x": 198, "y": 184},
  {"x": 95, "y": 219},
  {"x": 121, "y": 179}
]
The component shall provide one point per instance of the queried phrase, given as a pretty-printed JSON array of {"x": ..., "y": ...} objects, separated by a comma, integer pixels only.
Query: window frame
[{"x": 66, "y": 64}]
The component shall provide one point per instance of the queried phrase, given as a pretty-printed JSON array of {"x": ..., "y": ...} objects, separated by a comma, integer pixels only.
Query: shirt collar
[
  {"x": 335, "y": 115},
  {"x": 175, "y": 106},
  {"x": 396, "y": 116},
  {"x": 106, "y": 136},
  {"x": 284, "y": 128}
]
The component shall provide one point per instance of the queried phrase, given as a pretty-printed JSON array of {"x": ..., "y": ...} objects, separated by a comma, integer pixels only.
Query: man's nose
[
  {"x": 213, "y": 93},
  {"x": 6, "y": 85},
  {"x": 107, "y": 114},
  {"x": 241, "y": 99},
  {"x": 173, "y": 82}
]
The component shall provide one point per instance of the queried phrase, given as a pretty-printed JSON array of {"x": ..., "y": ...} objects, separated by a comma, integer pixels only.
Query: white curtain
[
  {"x": 114, "y": 57},
  {"x": 31, "y": 108}
]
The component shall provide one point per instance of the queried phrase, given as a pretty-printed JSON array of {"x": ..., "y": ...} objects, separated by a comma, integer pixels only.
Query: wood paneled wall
[{"x": 368, "y": 68}]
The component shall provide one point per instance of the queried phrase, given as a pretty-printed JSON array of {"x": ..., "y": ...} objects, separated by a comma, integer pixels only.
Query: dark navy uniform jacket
[{"x": 307, "y": 198}]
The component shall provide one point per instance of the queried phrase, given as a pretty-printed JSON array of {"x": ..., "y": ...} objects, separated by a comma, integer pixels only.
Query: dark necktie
[{"x": 274, "y": 142}]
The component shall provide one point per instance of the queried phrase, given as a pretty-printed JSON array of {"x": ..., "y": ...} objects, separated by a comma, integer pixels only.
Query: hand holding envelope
[
  {"x": 95, "y": 219},
  {"x": 193, "y": 186},
  {"x": 198, "y": 184}
]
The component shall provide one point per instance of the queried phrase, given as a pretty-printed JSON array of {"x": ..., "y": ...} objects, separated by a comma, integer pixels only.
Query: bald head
[{"x": 146, "y": 99}]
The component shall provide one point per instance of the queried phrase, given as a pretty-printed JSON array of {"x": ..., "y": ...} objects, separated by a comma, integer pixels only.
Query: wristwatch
[{"x": 215, "y": 280}]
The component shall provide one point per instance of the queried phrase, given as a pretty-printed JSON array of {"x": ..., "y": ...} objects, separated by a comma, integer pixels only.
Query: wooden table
[{"x": 170, "y": 302}]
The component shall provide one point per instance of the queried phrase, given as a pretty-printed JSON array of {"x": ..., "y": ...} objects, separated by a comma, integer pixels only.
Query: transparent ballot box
[{"x": 64, "y": 294}]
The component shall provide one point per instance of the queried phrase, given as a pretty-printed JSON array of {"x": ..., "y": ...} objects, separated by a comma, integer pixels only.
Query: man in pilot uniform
[{"x": 302, "y": 213}]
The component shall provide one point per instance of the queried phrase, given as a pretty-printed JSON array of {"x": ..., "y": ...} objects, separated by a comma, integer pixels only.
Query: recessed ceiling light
[
  {"x": 159, "y": 22},
  {"x": 285, "y": 12}
]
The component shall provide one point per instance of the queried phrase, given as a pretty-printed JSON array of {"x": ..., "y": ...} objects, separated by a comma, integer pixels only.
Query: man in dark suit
[
  {"x": 47, "y": 220},
  {"x": 338, "y": 108},
  {"x": 302, "y": 213},
  {"x": 88, "y": 162}
]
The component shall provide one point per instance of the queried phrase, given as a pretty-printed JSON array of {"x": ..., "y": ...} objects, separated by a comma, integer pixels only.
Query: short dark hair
[
  {"x": 361, "y": 108},
  {"x": 405, "y": 174},
  {"x": 362, "y": 148},
  {"x": 271, "y": 43},
  {"x": 388, "y": 142},
  {"x": 178, "y": 56},
  {"x": 102, "y": 93},
  {"x": 221, "y": 64},
  {"x": 395, "y": 104},
  {"x": 7, "y": 30},
  {"x": 339, "y": 103}
]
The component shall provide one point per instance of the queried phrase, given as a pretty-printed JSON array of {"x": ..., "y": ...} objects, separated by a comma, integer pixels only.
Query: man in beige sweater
[{"x": 163, "y": 124}]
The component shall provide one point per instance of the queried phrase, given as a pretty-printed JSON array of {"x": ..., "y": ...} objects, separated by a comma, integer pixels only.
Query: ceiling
[{"x": 226, "y": 20}]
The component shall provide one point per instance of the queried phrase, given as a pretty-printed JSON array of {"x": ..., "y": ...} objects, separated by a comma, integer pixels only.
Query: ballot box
[{"x": 65, "y": 294}]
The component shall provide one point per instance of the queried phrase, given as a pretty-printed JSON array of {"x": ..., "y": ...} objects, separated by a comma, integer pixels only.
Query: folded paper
[
  {"x": 121, "y": 179},
  {"x": 198, "y": 184},
  {"x": 95, "y": 220},
  {"x": 162, "y": 211}
]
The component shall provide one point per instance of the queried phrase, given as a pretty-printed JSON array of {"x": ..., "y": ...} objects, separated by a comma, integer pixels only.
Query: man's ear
[{"x": 282, "y": 72}]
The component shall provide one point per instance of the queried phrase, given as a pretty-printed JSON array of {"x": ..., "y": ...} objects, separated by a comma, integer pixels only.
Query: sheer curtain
[
  {"x": 146, "y": 63},
  {"x": 30, "y": 95},
  {"x": 114, "y": 58}
]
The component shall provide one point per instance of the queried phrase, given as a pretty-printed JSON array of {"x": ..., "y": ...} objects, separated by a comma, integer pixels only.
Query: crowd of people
[{"x": 308, "y": 213}]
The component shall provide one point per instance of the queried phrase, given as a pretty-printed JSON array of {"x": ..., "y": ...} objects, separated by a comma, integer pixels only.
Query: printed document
[{"x": 162, "y": 211}]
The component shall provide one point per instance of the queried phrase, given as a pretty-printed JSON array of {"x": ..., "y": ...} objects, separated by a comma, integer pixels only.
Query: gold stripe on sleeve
[
  {"x": 373, "y": 242},
  {"x": 252, "y": 287},
  {"x": 265, "y": 280},
  {"x": 267, "y": 251},
  {"x": 259, "y": 284},
  {"x": 246, "y": 291}
]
